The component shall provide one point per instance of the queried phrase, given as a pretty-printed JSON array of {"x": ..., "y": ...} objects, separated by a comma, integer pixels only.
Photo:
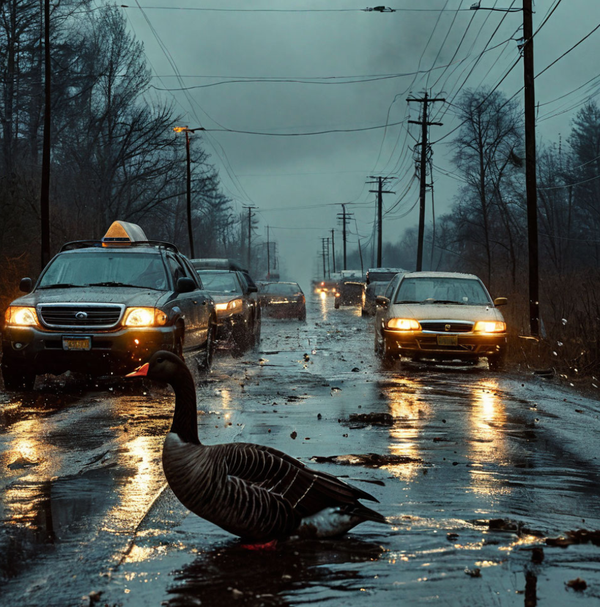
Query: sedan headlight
[
  {"x": 235, "y": 305},
  {"x": 403, "y": 324},
  {"x": 19, "y": 316},
  {"x": 144, "y": 317},
  {"x": 485, "y": 326}
]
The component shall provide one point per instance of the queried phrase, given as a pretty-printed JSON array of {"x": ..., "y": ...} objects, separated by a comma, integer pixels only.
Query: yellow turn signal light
[
  {"x": 20, "y": 316},
  {"x": 144, "y": 317},
  {"x": 403, "y": 324},
  {"x": 484, "y": 326}
]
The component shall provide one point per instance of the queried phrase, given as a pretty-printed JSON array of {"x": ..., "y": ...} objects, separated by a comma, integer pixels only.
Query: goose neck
[{"x": 185, "y": 422}]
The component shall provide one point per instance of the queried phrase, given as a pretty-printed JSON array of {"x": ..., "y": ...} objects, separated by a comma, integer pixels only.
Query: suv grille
[
  {"x": 439, "y": 326},
  {"x": 74, "y": 316}
]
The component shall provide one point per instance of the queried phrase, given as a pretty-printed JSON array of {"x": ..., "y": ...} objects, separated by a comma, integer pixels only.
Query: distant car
[
  {"x": 349, "y": 293},
  {"x": 440, "y": 316},
  {"x": 325, "y": 286},
  {"x": 236, "y": 303},
  {"x": 283, "y": 300},
  {"x": 377, "y": 280},
  {"x": 102, "y": 307}
]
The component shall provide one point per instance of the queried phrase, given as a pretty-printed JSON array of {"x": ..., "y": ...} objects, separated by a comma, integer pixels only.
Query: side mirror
[
  {"x": 26, "y": 285},
  {"x": 500, "y": 301},
  {"x": 382, "y": 301},
  {"x": 252, "y": 289},
  {"x": 185, "y": 285}
]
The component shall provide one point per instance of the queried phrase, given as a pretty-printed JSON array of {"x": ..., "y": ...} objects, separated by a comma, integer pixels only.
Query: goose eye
[{"x": 160, "y": 360}]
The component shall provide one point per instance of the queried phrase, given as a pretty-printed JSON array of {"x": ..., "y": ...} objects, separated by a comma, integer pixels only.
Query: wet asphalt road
[{"x": 479, "y": 473}]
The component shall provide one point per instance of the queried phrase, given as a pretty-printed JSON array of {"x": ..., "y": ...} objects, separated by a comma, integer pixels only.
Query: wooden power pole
[
  {"x": 380, "y": 192},
  {"x": 423, "y": 170},
  {"x": 530, "y": 170}
]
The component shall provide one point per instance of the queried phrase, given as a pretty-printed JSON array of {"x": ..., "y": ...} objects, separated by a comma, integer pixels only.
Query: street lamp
[{"x": 187, "y": 131}]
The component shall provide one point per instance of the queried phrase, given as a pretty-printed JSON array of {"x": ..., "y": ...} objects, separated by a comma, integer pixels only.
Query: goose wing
[{"x": 308, "y": 491}]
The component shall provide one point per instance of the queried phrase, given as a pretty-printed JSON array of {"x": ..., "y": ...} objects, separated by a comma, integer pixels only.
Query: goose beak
[{"x": 140, "y": 371}]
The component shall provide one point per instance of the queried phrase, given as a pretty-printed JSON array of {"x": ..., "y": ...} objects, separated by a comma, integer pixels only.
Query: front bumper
[
  {"x": 111, "y": 351},
  {"x": 420, "y": 344}
]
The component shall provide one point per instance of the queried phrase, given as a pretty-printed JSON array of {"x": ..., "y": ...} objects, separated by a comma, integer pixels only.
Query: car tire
[
  {"x": 179, "y": 339},
  {"x": 336, "y": 305},
  {"x": 241, "y": 342},
  {"x": 17, "y": 378},
  {"x": 497, "y": 362},
  {"x": 302, "y": 317},
  {"x": 205, "y": 359},
  {"x": 256, "y": 335}
]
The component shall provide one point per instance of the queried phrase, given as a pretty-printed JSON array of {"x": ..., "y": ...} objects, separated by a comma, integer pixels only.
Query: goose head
[
  {"x": 163, "y": 366},
  {"x": 167, "y": 367}
]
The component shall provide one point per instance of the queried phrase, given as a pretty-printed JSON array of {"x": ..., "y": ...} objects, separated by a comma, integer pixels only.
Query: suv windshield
[
  {"x": 466, "y": 291},
  {"x": 106, "y": 269},
  {"x": 220, "y": 282}
]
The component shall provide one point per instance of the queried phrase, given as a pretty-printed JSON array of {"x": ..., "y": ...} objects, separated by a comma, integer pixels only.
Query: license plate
[
  {"x": 77, "y": 343},
  {"x": 447, "y": 340}
]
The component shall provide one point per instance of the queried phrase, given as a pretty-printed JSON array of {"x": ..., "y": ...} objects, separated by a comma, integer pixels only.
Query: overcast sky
[{"x": 356, "y": 69}]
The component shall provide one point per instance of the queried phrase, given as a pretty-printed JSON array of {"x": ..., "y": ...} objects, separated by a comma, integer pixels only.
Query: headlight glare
[
  {"x": 403, "y": 324},
  {"x": 18, "y": 316},
  {"x": 484, "y": 326},
  {"x": 144, "y": 317}
]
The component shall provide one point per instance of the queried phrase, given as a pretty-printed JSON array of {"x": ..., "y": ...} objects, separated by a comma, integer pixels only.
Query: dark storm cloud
[{"x": 333, "y": 168}]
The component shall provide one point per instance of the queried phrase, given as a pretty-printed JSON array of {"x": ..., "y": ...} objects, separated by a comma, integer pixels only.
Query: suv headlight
[
  {"x": 144, "y": 317},
  {"x": 403, "y": 324},
  {"x": 235, "y": 305},
  {"x": 20, "y": 316},
  {"x": 485, "y": 326}
]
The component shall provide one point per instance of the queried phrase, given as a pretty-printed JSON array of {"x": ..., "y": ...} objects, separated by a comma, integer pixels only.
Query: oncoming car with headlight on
[
  {"x": 440, "y": 316},
  {"x": 100, "y": 307}
]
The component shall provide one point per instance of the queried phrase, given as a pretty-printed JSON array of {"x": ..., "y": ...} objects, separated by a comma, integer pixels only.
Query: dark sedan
[{"x": 283, "y": 300}]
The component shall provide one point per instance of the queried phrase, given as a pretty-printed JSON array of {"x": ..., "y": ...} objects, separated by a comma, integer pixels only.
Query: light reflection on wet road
[{"x": 487, "y": 476}]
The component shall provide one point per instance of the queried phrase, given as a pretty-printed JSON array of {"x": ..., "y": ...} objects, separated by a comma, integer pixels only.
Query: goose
[{"x": 257, "y": 493}]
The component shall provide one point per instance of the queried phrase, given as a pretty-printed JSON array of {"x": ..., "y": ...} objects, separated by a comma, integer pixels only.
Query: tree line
[
  {"x": 486, "y": 230},
  {"x": 114, "y": 152}
]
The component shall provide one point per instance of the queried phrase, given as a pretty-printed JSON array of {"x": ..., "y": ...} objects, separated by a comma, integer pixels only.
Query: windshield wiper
[
  {"x": 64, "y": 285},
  {"x": 115, "y": 284},
  {"x": 442, "y": 301}
]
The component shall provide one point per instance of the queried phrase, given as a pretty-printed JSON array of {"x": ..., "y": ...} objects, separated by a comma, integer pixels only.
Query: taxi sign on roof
[{"x": 123, "y": 233}]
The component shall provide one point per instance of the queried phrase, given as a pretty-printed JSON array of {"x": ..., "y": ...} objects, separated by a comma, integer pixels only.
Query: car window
[
  {"x": 106, "y": 268},
  {"x": 176, "y": 267},
  {"x": 279, "y": 288},
  {"x": 436, "y": 289},
  {"x": 220, "y": 282},
  {"x": 391, "y": 286}
]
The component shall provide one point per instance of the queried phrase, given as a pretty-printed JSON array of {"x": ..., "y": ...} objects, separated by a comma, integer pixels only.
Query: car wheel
[
  {"x": 241, "y": 342},
  {"x": 497, "y": 362},
  {"x": 302, "y": 316},
  {"x": 205, "y": 360},
  {"x": 256, "y": 334},
  {"x": 17, "y": 378},
  {"x": 336, "y": 305},
  {"x": 179, "y": 337}
]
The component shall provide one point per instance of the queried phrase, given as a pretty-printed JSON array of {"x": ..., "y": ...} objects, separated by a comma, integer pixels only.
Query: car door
[
  {"x": 380, "y": 311},
  {"x": 189, "y": 303}
]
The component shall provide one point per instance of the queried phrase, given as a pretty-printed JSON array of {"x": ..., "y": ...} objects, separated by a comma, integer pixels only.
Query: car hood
[
  {"x": 121, "y": 295},
  {"x": 445, "y": 312}
]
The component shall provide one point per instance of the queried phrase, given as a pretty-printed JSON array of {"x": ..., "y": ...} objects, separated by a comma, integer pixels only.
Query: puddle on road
[{"x": 296, "y": 573}]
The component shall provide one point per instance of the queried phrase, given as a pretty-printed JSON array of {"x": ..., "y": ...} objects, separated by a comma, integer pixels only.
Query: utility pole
[
  {"x": 268, "y": 255},
  {"x": 45, "y": 185},
  {"x": 530, "y": 170},
  {"x": 323, "y": 255},
  {"x": 424, "y": 149},
  {"x": 380, "y": 192},
  {"x": 250, "y": 209},
  {"x": 328, "y": 260},
  {"x": 333, "y": 248},
  {"x": 187, "y": 131},
  {"x": 345, "y": 218}
]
